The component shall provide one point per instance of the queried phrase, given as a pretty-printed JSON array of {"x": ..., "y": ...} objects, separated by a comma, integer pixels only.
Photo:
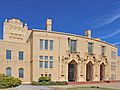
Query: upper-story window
[
  {"x": 51, "y": 58},
  {"x": 46, "y": 64},
  {"x": 103, "y": 50},
  {"x": 113, "y": 66},
  {"x": 44, "y": 44},
  {"x": 8, "y": 54},
  {"x": 21, "y": 55},
  {"x": 46, "y": 57},
  {"x": 113, "y": 55},
  {"x": 90, "y": 48},
  {"x": 41, "y": 64},
  {"x": 73, "y": 44},
  {"x": 51, "y": 62},
  {"x": 41, "y": 44},
  {"x": 51, "y": 45},
  {"x": 46, "y": 61},
  {"x": 41, "y": 57}
]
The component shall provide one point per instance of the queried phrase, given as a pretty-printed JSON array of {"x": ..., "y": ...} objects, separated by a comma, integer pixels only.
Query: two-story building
[{"x": 30, "y": 54}]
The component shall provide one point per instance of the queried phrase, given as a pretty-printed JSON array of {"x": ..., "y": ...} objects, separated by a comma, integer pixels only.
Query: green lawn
[{"x": 90, "y": 88}]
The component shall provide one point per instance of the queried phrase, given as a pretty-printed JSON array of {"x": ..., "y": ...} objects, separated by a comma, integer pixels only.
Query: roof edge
[{"x": 63, "y": 33}]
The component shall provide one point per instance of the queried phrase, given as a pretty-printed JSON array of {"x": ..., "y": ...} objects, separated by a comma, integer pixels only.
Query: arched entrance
[
  {"x": 102, "y": 72},
  {"x": 72, "y": 71},
  {"x": 89, "y": 71}
]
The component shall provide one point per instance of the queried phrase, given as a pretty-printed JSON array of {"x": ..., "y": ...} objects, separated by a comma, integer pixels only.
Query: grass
[
  {"x": 77, "y": 88},
  {"x": 90, "y": 88}
]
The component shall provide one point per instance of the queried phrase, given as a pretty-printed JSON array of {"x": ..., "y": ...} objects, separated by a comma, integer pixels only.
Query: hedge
[
  {"x": 44, "y": 83},
  {"x": 44, "y": 80},
  {"x": 8, "y": 82}
]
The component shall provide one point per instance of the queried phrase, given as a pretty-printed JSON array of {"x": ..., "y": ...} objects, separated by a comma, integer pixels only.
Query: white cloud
[
  {"x": 117, "y": 43},
  {"x": 111, "y": 35},
  {"x": 108, "y": 17},
  {"x": 105, "y": 20}
]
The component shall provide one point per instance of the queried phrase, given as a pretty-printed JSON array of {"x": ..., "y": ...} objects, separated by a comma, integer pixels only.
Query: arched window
[
  {"x": 21, "y": 73},
  {"x": 8, "y": 71}
]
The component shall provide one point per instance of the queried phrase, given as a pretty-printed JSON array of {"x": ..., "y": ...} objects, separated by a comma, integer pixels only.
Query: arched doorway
[
  {"x": 72, "y": 71},
  {"x": 102, "y": 72},
  {"x": 89, "y": 71}
]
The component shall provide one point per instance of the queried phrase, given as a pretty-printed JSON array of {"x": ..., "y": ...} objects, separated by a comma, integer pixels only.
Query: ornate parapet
[
  {"x": 103, "y": 59},
  {"x": 90, "y": 57},
  {"x": 72, "y": 56},
  {"x": 15, "y": 30}
]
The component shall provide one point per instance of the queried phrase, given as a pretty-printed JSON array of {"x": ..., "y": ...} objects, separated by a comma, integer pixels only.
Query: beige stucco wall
[
  {"x": 60, "y": 50},
  {"x": 15, "y": 63},
  {"x": 29, "y": 42}
]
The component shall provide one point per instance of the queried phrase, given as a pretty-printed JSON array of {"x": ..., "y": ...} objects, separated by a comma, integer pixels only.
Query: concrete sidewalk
[{"x": 31, "y": 87}]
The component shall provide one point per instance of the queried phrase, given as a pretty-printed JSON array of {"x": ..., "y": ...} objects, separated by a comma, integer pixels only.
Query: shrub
[
  {"x": 52, "y": 83},
  {"x": 7, "y": 81},
  {"x": 34, "y": 83},
  {"x": 44, "y": 78},
  {"x": 61, "y": 82},
  {"x": 44, "y": 83}
]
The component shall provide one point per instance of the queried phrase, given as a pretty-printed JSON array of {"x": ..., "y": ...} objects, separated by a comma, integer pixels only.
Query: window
[
  {"x": 90, "y": 48},
  {"x": 51, "y": 45},
  {"x": 46, "y": 64},
  {"x": 73, "y": 46},
  {"x": 51, "y": 58},
  {"x": 8, "y": 71},
  {"x": 41, "y": 64},
  {"x": 113, "y": 55},
  {"x": 41, "y": 74},
  {"x": 21, "y": 73},
  {"x": 41, "y": 44},
  {"x": 8, "y": 54},
  {"x": 46, "y": 57},
  {"x": 113, "y": 66},
  {"x": 46, "y": 44},
  {"x": 51, "y": 64},
  {"x": 45, "y": 74},
  {"x": 49, "y": 75},
  {"x": 21, "y": 55},
  {"x": 103, "y": 50},
  {"x": 113, "y": 77},
  {"x": 41, "y": 57}
]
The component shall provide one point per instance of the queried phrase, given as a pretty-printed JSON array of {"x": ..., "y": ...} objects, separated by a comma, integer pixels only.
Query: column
[
  {"x": 78, "y": 72},
  {"x": 66, "y": 71},
  {"x": 82, "y": 72},
  {"x": 82, "y": 75},
  {"x": 96, "y": 71},
  {"x": 107, "y": 75}
]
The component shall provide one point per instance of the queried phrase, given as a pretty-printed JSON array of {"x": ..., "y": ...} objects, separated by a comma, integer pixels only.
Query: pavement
[
  {"x": 115, "y": 85},
  {"x": 29, "y": 87}
]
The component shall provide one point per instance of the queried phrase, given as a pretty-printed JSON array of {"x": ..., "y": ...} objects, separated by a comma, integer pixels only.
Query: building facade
[{"x": 30, "y": 54}]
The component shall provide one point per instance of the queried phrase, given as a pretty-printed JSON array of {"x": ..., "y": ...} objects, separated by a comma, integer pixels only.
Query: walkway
[{"x": 30, "y": 87}]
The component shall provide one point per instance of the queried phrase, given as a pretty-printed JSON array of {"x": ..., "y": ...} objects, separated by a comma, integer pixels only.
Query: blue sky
[{"x": 72, "y": 16}]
